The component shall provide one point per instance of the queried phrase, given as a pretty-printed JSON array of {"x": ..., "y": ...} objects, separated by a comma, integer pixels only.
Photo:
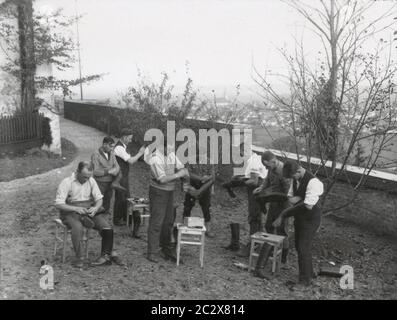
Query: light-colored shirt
[
  {"x": 314, "y": 190},
  {"x": 71, "y": 190},
  {"x": 121, "y": 152},
  {"x": 255, "y": 165},
  {"x": 161, "y": 166}
]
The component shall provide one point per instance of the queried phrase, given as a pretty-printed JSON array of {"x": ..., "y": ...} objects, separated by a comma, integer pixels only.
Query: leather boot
[
  {"x": 209, "y": 233},
  {"x": 261, "y": 262},
  {"x": 235, "y": 241},
  {"x": 284, "y": 255},
  {"x": 136, "y": 215},
  {"x": 245, "y": 251},
  {"x": 107, "y": 248}
]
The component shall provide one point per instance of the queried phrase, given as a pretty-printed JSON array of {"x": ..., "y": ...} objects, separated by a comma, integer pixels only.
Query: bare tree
[{"x": 348, "y": 101}]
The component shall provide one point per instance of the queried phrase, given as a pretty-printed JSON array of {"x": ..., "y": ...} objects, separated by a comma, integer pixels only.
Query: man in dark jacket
[{"x": 273, "y": 183}]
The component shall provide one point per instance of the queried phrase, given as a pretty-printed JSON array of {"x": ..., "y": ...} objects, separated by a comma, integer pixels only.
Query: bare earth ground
[
  {"x": 26, "y": 237},
  {"x": 35, "y": 161}
]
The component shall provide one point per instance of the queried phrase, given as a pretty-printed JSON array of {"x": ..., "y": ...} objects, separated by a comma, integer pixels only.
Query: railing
[{"x": 17, "y": 130}]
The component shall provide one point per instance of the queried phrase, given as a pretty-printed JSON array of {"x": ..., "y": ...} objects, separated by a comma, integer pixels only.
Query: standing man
[
  {"x": 200, "y": 189},
  {"x": 255, "y": 173},
  {"x": 77, "y": 197},
  {"x": 124, "y": 159},
  {"x": 165, "y": 170},
  {"x": 106, "y": 169},
  {"x": 274, "y": 183},
  {"x": 304, "y": 195}
]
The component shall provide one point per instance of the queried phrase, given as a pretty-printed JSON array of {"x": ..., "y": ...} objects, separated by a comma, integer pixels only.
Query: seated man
[
  {"x": 80, "y": 203},
  {"x": 199, "y": 188}
]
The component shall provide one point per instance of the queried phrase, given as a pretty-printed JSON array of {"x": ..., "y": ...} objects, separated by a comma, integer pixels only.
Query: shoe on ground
[
  {"x": 244, "y": 252},
  {"x": 117, "y": 260},
  {"x": 103, "y": 260},
  {"x": 153, "y": 258},
  {"x": 232, "y": 247},
  {"x": 170, "y": 255},
  {"x": 209, "y": 234},
  {"x": 78, "y": 263},
  {"x": 262, "y": 274},
  {"x": 135, "y": 236}
]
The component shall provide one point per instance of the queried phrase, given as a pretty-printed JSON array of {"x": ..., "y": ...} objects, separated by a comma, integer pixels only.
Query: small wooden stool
[
  {"x": 271, "y": 239},
  {"x": 143, "y": 208},
  {"x": 191, "y": 236},
  {"x": 60, "y": 228}
]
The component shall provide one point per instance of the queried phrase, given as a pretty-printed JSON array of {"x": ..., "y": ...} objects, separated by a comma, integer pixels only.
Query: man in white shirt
[
  {"x": 304, "y": 195},
  {"x": 124, "y": 160},
  {"x": 77, "y": 196},
  {"x": 165, "y": 170},
  {"x": 255, "y": 173}
]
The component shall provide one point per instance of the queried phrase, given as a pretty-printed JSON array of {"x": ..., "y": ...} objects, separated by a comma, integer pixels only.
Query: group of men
[
  {"x": 84, "y": 198},
  {"x": 280, "y": 190}
]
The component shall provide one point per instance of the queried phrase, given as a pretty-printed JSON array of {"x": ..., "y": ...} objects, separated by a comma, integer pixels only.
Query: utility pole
[{"x": 78, "y": 51}]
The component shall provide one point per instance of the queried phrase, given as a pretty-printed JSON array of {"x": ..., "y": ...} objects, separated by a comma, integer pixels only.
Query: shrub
[{"x": 46, "y": 131}]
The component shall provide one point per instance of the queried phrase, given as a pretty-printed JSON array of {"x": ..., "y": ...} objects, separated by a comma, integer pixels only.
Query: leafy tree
[{"x": 36, "y": 39}]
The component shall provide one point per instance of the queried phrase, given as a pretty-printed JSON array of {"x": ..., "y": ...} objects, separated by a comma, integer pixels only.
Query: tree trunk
[{"x": 26, "y": 54}]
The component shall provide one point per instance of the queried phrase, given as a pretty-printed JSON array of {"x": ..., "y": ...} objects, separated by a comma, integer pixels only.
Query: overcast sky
[{"x": 218, "y": 39}]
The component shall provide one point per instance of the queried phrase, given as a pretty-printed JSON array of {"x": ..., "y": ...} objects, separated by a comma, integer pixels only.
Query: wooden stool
[
  {"x": 271, "y": 239},
  {"x": 143, "y": 208},
  {"x": 60, "y": 228},
  {"x": 191, "y": 236}
]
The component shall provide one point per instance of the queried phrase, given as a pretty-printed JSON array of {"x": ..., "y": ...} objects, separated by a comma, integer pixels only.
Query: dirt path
[
  {"x": 26, "y": 212},
  {"x": 26, "y": 237}
]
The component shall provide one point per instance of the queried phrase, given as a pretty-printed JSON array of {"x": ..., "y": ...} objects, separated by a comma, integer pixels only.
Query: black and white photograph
[{"x": 198, "y": 155}]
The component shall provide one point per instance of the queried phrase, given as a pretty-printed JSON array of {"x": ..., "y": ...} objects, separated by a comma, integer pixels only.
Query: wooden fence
[{"x": 20, "y": 131}]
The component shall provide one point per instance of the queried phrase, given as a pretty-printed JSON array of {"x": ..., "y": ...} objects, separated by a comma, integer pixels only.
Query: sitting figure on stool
[
  {"x": 199, "y": 188},
  {"x": 74, "y": 191}
]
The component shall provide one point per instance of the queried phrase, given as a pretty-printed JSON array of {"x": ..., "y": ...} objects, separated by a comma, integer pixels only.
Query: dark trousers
[
  {"x": 275, "y": 208},
  {"x": 204, "y": 201},
  {"x": 107, "y": 192},
  {"x": 161, "y": 222},
  {"x": 254, "y": 212},
  {"x": 306, "y": 225},
  {"x": 72, "y": 221},
  {"x": 120, "y": 200}
]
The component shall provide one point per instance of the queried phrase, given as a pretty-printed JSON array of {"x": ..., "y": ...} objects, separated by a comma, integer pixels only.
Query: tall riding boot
[
  {"x": 136, "y": 215},
  {"x": 106, "y": 249},
  {"x": 209, "y": 232},
  {"x": 235, "y": 241},
  {"x": 245, "y": 251},
  {"x": 261, "y": 262},
  {"x": 284, "y": 255}
]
